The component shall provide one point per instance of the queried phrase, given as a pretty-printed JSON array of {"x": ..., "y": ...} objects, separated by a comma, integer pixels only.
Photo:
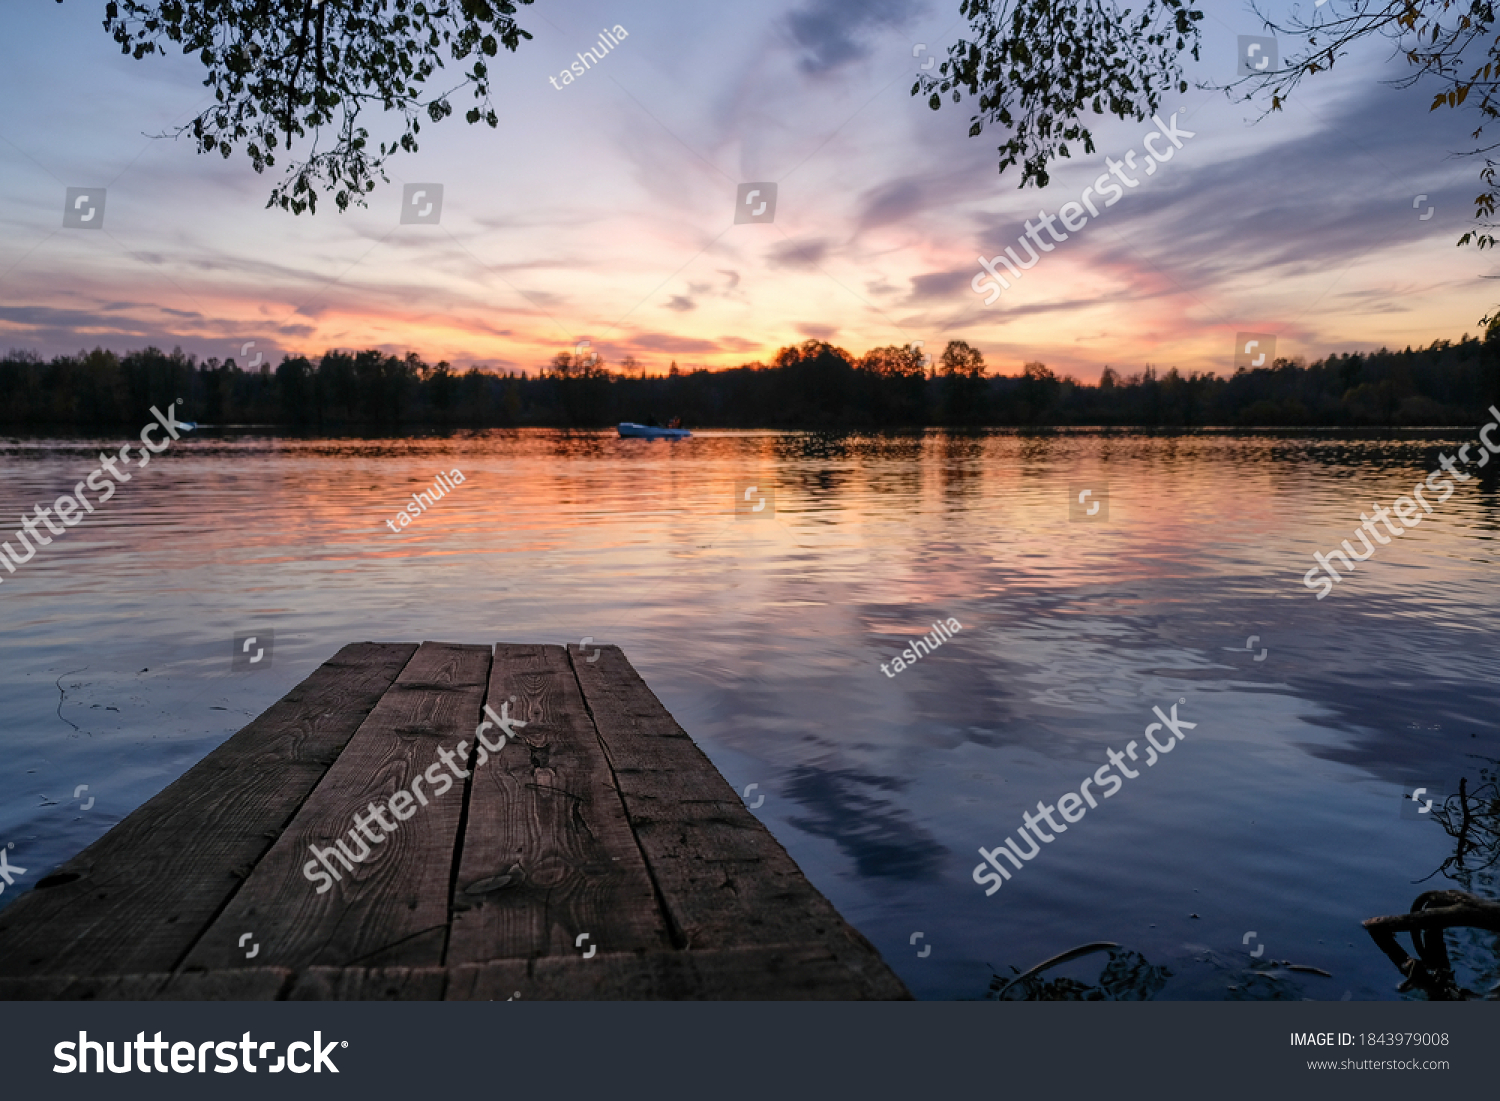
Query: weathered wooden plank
[
  {"x": 604, "y": 819},
  {"x": 725, "y": 881},
  {"x": 369, "y": 984},
  {"x": 762, "y": 973},
  {"x": 82, "y": 988},
  {"x": 136, "y": 900},
  {"x": 391, "y": 909},
  {"x": 246, "y": 984},
  {"x": 547, "y": 852},
  {"x": 774, "y": 972}
]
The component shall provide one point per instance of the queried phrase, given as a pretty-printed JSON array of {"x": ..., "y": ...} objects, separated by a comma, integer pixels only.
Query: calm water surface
[{"x": 1280, "y": 815}]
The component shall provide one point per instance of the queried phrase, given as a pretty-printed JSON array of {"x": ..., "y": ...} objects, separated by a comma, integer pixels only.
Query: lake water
[{"x": 1266, "y": 835}]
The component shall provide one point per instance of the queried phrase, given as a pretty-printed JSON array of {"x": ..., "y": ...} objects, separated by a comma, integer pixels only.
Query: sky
[{"x": 604, "y": 210}]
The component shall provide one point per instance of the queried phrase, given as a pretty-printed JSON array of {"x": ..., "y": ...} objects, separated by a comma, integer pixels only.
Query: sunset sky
[{"x": 604, "y": 210}]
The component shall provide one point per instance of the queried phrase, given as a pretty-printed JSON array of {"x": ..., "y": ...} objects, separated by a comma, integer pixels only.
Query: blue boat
[{"x": 650, "y": 432}]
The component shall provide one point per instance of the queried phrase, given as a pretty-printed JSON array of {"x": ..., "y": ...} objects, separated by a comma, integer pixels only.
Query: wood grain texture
[
  {"x": 603, "y": 819},
  {"x": 247, "y": 985},
  {"x": 725, "y": 881},
  {"x": 136, "y": 900},
  {"x": 391, "y": 909},
  {"x": 369, "y": 984},
  {"x": 547, "y": 851},
  {"x": 257, "y": 984},
  {"x": 82, "y": 988},
  {"x": 787, "y": 972}
]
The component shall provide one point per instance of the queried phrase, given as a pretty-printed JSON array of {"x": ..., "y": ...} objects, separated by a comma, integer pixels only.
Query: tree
[
  {"x": 961, "y": 360},
  {"x": 963, "y": 393},
  {"x": 900, "y": 381},
  {"x": 1452, "y": 43},
  {"x": 894, "y": 361},
  {"x": 287, "y": 70},
  {"x": 294, "y": 383},
  {"x": 583, "y": 387},
  {"x": 1039, "y": 390},
  {"x": 441, "y": 385},
  {"x": 1036, "y": 65},
  {"x": 1039, "y": 66},
  {"x": 818, "y": 380}
]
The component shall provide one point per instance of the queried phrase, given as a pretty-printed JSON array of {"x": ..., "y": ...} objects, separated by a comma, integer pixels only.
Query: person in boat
[{"x": 675, "y": 422}]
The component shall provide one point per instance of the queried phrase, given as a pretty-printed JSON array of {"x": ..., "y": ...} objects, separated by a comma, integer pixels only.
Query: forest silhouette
[{"x": 813, "y": 385}]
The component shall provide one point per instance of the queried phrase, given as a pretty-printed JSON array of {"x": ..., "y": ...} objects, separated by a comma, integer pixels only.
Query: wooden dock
[{"x": 598, "y": 855}]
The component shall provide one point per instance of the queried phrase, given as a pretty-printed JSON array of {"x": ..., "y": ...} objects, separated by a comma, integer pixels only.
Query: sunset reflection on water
[{"x": 764, "y": 634}]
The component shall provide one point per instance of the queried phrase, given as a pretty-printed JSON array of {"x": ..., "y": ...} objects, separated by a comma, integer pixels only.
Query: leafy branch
[
  {"x": 284, "y": 72},
  {"x": 1451, "y": 43},
  {"x": 1037, "y": 66}
]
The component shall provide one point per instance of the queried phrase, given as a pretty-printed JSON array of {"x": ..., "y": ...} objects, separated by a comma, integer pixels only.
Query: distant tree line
[{"x": 810, "y": 385}]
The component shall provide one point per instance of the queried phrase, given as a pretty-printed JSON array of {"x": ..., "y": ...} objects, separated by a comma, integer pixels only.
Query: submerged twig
[
  {"x": 1070, "y": 954},
  {"x": 62, "y": 696},
  {"x": 1432, "y": 913}
]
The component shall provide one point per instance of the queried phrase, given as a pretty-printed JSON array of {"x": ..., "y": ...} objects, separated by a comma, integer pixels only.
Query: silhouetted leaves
[
  {"x": 285, "y": 72},
  {"x": 1035, "y": 66},
  {"x": 1452, "y": 43}
]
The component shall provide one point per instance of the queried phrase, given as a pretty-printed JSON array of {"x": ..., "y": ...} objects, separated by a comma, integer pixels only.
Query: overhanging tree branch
[
  {"x": 364, "y": 53},
  {"x": 1037, "y": 66}
]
